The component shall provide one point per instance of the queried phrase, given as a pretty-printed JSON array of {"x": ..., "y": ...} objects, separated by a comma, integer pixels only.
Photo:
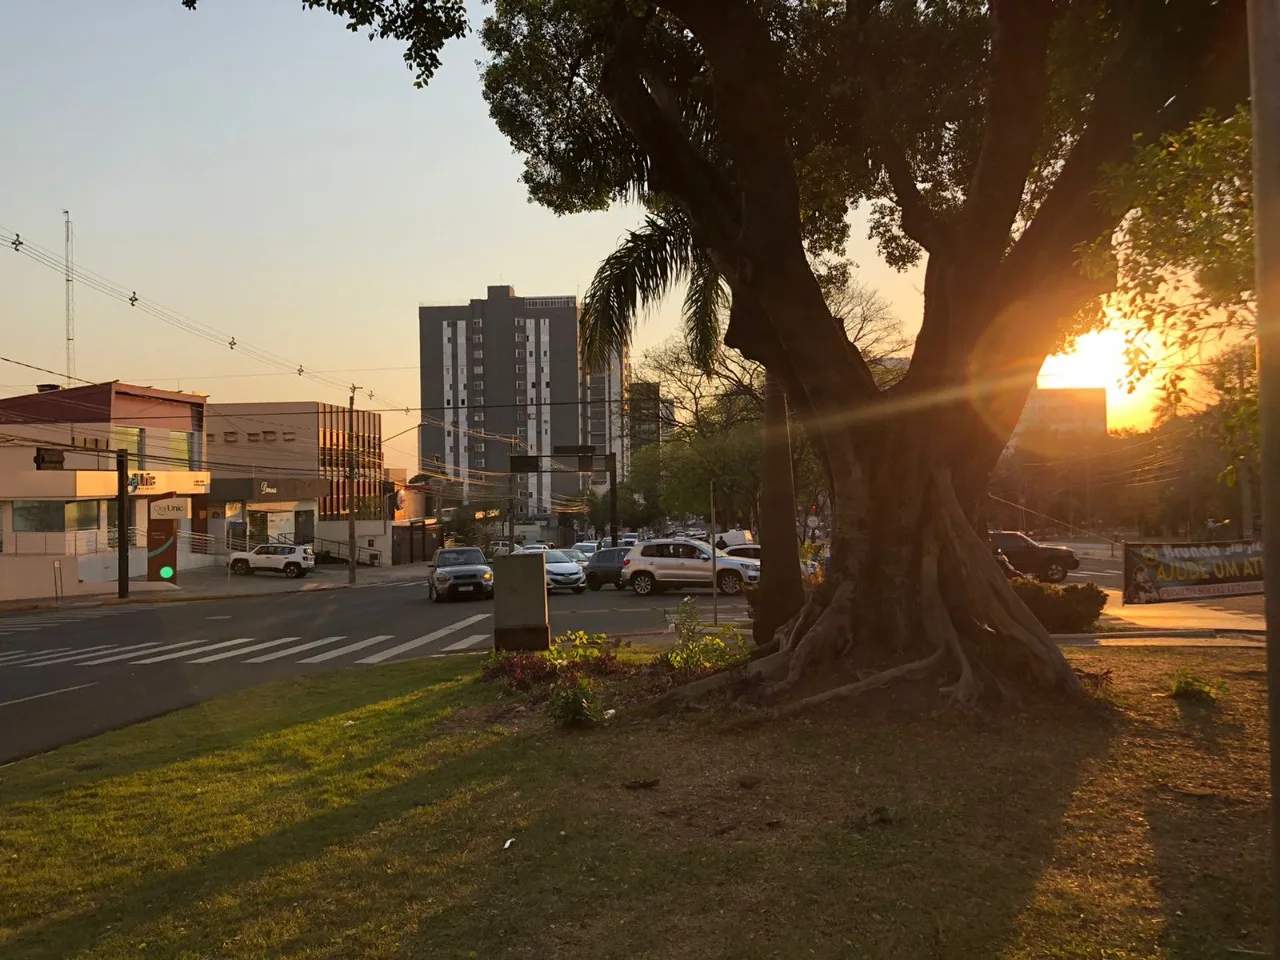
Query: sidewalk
[
  {"x": 1179, "y": 616},
  {"x": 213, "y": 583}
]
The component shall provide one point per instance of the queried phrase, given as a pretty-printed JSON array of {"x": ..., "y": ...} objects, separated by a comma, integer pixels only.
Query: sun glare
[{"x": 1098, "y": 361}]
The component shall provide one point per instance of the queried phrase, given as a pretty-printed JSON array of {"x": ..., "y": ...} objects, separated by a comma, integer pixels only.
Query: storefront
[{"x": 257, "y": 509}]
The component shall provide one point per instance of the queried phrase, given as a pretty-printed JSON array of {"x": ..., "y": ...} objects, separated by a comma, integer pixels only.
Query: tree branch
[{"x": 1016, "y": 89}]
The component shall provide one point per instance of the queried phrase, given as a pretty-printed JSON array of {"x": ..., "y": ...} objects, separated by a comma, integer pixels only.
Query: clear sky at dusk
[{"x": 262, "y": 170}]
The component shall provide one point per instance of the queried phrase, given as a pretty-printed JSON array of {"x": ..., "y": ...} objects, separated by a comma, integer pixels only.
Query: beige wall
[{"x": 241, "y": 456}]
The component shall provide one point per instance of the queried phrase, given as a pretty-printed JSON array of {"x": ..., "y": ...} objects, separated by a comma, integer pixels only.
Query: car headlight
[
  {"x": 443, "y": 577},
  {"x": 487, "y": 575}
]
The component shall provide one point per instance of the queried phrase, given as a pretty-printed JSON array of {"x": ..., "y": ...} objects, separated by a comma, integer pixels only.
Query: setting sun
[{"x": 1098, "y": 360}]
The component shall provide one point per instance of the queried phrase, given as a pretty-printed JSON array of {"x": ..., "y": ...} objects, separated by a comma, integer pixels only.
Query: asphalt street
[{"x": 66, "y": 675}]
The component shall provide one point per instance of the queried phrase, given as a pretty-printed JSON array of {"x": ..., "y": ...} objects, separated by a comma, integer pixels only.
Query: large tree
[{"x": 977, "y": 134}]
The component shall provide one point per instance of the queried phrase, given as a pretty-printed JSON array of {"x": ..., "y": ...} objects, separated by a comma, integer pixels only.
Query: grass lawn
[{"x": 368, "y": 814}]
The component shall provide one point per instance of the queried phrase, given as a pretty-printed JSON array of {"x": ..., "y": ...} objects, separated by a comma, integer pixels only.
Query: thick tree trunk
[{"x": 781, "y": 589}]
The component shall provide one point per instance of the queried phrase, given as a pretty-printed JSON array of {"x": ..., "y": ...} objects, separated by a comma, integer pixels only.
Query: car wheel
[
  {"x": 642, "y": 584},
  {"x": 730, "y": 583},
  {"x": 579, "y": 589},
  {"x": 593, "y": 581},
  {"x": 292, "y": 571},
  {"x": 241, "y": 567},
  {"x": 1054, "y": 573}
]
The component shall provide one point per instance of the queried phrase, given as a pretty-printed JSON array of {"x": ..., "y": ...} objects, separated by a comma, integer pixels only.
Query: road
[{"x": 66, "y": 675}]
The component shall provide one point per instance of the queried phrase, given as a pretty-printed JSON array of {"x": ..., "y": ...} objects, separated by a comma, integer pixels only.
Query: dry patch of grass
[{"x": 267, "y": 825}]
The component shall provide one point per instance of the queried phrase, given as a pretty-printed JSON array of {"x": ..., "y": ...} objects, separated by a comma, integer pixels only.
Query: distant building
[
  {"x": 1080, "y": 411},
  {"x": 280, "y": 470},
  {"x": 668, "y": 408},
  {"x": 500, "y": 376},
  {"x": 644, "y": 410},
  {"x": 605, "y": 389}
]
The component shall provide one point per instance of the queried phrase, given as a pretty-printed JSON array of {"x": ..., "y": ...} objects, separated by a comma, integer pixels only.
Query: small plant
[
  {"x": 1191, "y": 686},
  {"x": 573, "y": 702},
  {"x": 696, "y": 653},
  {"x": 1095, "y": 681},
  {"x": 520, "y": 671},
  {"x": 592, "y": 653}
]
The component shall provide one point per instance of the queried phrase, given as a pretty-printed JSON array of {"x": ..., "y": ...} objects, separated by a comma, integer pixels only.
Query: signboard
[
  {"x": 173, "y": 508},
  {"x": 1165, "y": 572},
  {"x": 162, "y": 550},
  {"x": 148, "y": 482}
]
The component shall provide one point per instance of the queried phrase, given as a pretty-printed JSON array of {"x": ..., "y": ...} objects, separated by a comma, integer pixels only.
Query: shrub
[
  {"x": 573, "y": 702},
  {"x": 592, "y": 653},
  {"x": 1190, "y": 686},
  {"x": 695, "y": 652},
  {"x": 1069, "y": 609},
  {"x": 520, "y": 671}
]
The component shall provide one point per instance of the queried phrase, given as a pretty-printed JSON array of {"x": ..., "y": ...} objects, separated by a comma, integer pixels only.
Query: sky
[{"x": 259, "y": 169}]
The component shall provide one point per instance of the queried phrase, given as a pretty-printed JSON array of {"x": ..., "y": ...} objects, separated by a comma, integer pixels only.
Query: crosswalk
[
  {"x": 366, "y": 650},
  {"x": 31, "y": 623}
]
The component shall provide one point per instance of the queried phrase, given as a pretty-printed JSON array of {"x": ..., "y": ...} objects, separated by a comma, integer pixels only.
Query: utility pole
[
  {"x": 351, "y": 486},
  {"x": 1264, "y": 64},
  {"x": 613, "y": 499},
  {"x": 511, "y": 518},
  {"x": 122, "y": 524},
  {"x": 715, "y": 587},
  {"x": 68, "y": 263}
]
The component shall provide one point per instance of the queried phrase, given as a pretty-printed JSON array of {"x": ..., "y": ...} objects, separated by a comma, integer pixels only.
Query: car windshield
[
  {"x": 558, "y": 556},
  {"x": 459, "y": 558}
]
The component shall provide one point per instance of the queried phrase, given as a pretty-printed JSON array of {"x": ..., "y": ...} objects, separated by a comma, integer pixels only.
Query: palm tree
[{"x": 646, "y": 265}]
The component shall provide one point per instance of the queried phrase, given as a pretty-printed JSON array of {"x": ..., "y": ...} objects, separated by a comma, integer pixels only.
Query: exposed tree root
[{"x": 906, "y": 671}]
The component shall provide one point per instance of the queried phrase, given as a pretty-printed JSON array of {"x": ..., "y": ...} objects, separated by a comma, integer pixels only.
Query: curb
[{"x": 1201, "y": 634}]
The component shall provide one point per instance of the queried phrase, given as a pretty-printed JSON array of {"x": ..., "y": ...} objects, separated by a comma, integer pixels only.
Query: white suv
[
  {"x": 287, "y": 558},
  {"x": 655, "y": 565}
]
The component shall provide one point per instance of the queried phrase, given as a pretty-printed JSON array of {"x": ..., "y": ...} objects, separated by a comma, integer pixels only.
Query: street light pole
[{"x": 1264, "y": 66}]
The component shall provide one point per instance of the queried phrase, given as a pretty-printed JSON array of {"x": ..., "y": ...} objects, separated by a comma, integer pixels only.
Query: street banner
[{"x": 1165, "y": 572}]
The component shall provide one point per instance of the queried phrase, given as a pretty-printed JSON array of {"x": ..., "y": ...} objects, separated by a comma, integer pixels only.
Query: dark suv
[
  {"x": 1046, "y": 563},
  {"x": 605, "y": 566}
]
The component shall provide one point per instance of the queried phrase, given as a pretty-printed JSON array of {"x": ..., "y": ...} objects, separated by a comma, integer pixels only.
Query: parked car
[
  {"x": 499, "y": 548},
  {"x": 564, "y": 573},
  {"x": 751, "y": 551},
  {"x": 1050, "y": 564},
  {"x": 533, "y": 548},
  {"x": 578, "y": 557},
  {"x": 656, "y": 565},
  {"x": 585, "y": 546},
  {"x": 460, "y": 572},
  {"x": 288, "y": 558},
  {"x": 605, "y": 566}
]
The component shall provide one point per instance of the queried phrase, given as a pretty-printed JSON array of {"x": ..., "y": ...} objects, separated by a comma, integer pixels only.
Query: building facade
[
  {"x": 500, "y": 376},
  {"x": 645, "y": 412},
  {"x": 59, "y": 516},
  {"x": 280, "y": 472},
  {"x": 1080, "y": 411},
  {"x": 606, "y": 388}
]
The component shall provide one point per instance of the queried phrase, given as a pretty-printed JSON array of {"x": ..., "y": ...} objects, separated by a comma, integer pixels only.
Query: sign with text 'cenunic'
[{"x": 1164, "y": 572}]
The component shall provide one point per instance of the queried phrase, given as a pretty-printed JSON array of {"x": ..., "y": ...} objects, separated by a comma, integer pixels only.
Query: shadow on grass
[
  {"x": 176, "y": 909},
  {"x": 222, "y": 723},
  {"x": 801, "y": 864}
]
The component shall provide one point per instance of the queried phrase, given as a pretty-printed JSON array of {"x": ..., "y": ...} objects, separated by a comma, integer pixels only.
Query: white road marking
[
  {"x": 474, "y": 640},
  {"x": 223, "y": 617},
  {"x": 239, "y": 650},
  {"x": 50, "y": 693},
  {"x": 350, "y": 647},
  {"x": 425, "y": 639},
  {"x": 99, "y": 649},
  {"x": 126, "y": 656},
  {"x": 187, "y": 653},
  {"x": 22, "y": 655},
  {"x": 137, "y": 648},
  {"x": 298, "y": 649}
]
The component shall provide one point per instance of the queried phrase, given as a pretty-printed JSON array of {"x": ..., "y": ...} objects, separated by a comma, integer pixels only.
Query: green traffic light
[{"x": 166, "y": 573}]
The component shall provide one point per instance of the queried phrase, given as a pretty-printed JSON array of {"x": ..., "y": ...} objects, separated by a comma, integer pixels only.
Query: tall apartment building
[
  {"x": 606, "y": 388},
  {"x": 644, "y": 412},
  {"x": 500, "y": 376}
]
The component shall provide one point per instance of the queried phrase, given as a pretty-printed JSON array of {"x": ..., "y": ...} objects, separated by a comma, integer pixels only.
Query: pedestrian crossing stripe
[{"x": 208, "y": 650}]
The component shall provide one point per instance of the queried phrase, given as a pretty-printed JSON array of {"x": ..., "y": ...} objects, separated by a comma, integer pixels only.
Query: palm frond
[
  {"x": 705, "y": 304},
  {"x": 646, "y": 264}
]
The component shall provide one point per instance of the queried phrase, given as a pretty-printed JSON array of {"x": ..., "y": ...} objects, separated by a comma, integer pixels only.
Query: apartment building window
[
  {"x": 448, "y": 402},
  {"x": 519, "y": 368},
  {"x": 477, "y": 323},
  {"x": 520, "y": 338},
  {"x": 229, "y": 436},
  {"x": 463, "y": 401},
  {"x": 478, "y": 447},
  {"x": 478, "y": 462},
  {"x": 477, "y": 338},
  {"x": 289, "y": 436},
  {"x": 269, "y": 436},
  {"x": 477, "y": 354},
  {"x": 448, "y": 433},
  {"x": 544, "y": 353},
  {"x": 254, "y": 437},
  {"x": 548, "y": 384},
  {"x": 448, "y": 339},
  {"x": 519, "y": 384},
  {"x": 477, "y": 370},
  {"x": 477, "y": 384},
  {"x": 478, "y": 416},
  {"x": 210, "y": 438}
]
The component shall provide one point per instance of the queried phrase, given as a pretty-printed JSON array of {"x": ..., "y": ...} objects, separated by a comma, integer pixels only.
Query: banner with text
[{"x": 1164, "y": 572}]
